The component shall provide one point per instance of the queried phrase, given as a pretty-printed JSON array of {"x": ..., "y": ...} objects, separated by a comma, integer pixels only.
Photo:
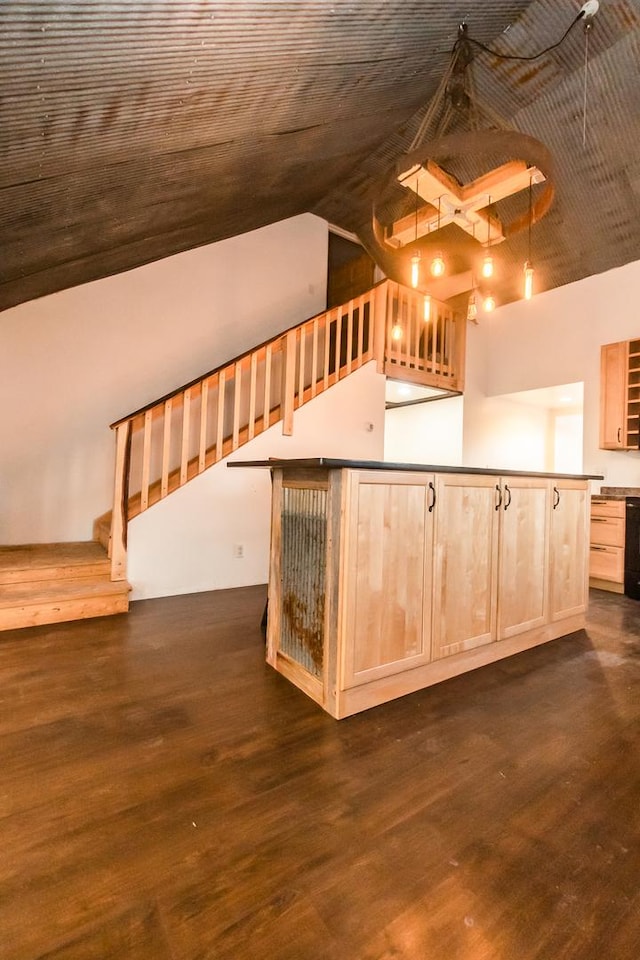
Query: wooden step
[
  {"x": 49, "y": 601},
  {"x": 57, "y": 582},
  {"x": 52, "y": 561},
  {"x": 102, "y": 530}
]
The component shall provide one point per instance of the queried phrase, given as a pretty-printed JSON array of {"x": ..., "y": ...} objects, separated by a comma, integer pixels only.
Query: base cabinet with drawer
[{"x": 606, "y": 544}]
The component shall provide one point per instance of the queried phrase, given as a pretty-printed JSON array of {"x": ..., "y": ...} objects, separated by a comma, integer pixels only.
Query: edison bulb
[
  {"x": 437, "y": 265},
  {"x": 528, "y": 281}
]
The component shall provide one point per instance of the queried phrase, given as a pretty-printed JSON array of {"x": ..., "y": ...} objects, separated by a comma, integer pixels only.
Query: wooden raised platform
[{"x": 44, "y": 583}]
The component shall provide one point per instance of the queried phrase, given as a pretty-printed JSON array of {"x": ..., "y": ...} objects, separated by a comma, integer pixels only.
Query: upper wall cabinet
[{"x": 620, "y": 395}]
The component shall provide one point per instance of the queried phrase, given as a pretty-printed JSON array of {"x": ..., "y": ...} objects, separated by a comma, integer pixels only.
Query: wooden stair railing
[{"x": 162, "y": 446}]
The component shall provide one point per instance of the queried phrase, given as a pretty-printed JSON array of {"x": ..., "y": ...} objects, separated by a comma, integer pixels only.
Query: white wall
[
  {"x": 185, "y": 543},
  {"x": 553, "y": 339},
  {"x": 425, "y": 433},
  {"x": 514, "y": 436},
  {"x": 568, "y": 429},
  {"x": 73, "y": 362}
]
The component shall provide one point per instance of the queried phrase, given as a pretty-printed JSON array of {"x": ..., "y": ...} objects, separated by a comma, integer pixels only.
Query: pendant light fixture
[
  {"x": 456, "y": 125},
  {"x": 487, "y": 263},
  {"x": 437, "y": 264},
  {"x": 528, "y": 281},
  {"x": 415, "y": 259},
  {"x": 396, "y": 332},
  {"x": 489, "y": 303},
  {"x": 528, "y": 269}
]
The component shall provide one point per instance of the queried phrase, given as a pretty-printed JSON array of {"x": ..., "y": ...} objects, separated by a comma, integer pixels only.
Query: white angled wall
[
  {"x": 512, "y": 436},
  {"x": 73, "y": 362},
  {"x": 553, "y": 339},
  {"x": 425, "y": 432}
]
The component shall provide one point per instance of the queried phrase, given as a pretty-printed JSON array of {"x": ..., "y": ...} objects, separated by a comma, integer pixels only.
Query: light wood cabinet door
[
  {"x": 613, "y": 390},
  {"x": 569, "y": 542},
  {"x": 388, "y": 575},
  {"x": 465, "y": 563},
  {"x": 523, "y": 592}
]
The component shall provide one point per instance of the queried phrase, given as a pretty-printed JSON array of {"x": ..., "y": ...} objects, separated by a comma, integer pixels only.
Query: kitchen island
[{"x": 387, "y": 578}]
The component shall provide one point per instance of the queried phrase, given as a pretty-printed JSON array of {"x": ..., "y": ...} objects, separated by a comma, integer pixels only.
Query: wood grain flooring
[{"x": 164, "y": 795}]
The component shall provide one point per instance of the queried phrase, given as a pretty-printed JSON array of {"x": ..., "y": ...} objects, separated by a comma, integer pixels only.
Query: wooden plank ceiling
[{"x": 135, "y": 130}]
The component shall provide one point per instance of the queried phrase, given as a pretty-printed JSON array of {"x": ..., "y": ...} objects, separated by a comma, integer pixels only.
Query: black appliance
[{"x": 632, "y": 549}]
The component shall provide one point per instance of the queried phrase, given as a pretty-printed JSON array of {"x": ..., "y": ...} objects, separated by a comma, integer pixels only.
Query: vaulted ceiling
[{"x": 130, "y": 131}]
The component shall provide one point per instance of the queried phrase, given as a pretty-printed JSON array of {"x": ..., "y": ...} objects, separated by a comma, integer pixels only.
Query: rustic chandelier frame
[{"x": 439, "y": 199}]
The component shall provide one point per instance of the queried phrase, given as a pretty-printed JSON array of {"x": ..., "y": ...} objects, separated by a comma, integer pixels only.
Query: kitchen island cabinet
[
  {"x": 569, "y": 560},
  {"x": 525, "y": 536},
  {"x": 465, "y": 563},
  {"x": 387, "y": 578},
  {"x": 387, "y": 575}
]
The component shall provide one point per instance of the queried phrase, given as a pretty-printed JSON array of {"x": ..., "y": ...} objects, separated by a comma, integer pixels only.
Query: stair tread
[
  {"x": 34, "y": 561},
  {"x": 53, "y": 591}
]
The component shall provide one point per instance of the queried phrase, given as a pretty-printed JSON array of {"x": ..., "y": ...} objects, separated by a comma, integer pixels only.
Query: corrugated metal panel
[
  {"x": 303, "y": 571},
  {"x": 134, "y": 130}
]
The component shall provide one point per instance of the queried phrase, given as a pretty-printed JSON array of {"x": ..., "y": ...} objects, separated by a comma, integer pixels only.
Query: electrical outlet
[{"x": 238, "y": 551}]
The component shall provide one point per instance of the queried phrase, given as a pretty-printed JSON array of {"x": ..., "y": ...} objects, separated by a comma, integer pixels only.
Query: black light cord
[
  {"x": 507, "y": 56},
  {"x": 530, "y": 219}
]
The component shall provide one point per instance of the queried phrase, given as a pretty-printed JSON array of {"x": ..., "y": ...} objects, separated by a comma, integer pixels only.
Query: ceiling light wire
[
  {"x": 530, "y": 213},
  {"x": 435, "y": 102},
  {"x": 510, "y": 56},
  {"x": 587, "y": 30}
]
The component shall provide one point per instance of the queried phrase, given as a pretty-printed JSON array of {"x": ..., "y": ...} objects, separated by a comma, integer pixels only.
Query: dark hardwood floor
[{"x": 166, "y": 796}]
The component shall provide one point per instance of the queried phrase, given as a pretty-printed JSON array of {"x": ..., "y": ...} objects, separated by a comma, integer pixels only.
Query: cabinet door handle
[
  {"x": 507, "y": 491},
  {"x": 499, "y": 492},
  {"x": 556, "y": 497},
  {"x": 598, "y": 548},
  {"x": 599, "y": 519},
  {"x": 432, "y": 496},
  {"x": 619, "y": 432}
]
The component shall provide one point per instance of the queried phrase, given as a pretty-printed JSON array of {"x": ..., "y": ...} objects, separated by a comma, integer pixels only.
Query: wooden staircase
[
  {"x": 166, "y": 444},
  {"x": 55, "y": 582}
]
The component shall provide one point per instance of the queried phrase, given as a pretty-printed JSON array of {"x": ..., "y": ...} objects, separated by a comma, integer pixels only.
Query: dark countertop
[
  {"x": 616, "y": 493},
  {"x": 329, "y": 463}
]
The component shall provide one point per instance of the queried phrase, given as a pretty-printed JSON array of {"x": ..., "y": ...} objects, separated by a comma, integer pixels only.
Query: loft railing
[
  {"x": 429, "y": 352},
  {"x": 162, "y": 446}
]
